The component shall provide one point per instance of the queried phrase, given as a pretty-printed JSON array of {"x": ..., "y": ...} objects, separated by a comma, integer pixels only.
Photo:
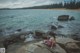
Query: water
[
  {"x": 29, "y": 38},
  {"x": 33, "y": 19}
]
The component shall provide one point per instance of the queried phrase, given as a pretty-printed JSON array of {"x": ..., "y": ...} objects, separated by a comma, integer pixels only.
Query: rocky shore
[
  {"x": 32, "y": 41},
  {"x": 63, "y": 45}
]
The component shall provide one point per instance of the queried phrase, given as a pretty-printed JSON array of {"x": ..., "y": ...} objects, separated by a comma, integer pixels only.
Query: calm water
[{"x": 11, "y": 20}]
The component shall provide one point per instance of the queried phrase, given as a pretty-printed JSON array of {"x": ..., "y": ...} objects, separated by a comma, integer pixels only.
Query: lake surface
[{"x": 37, "y": 19}]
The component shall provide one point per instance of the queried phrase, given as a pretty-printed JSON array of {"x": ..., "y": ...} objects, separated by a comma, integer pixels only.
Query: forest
[{"x": 67, "y": 5}]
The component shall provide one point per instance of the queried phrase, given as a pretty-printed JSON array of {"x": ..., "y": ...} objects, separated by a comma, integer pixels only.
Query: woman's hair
[{"x": 52, "y": 34}]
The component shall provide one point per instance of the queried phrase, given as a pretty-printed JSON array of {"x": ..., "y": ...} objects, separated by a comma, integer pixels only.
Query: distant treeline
[
  {"x": 46, "y": 6},
  {"x": 68, "y": 5},
  {"x": 72, "y": 5}
]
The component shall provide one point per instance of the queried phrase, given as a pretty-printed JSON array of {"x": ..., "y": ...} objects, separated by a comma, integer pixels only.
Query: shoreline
[
  {"x": 61, "y": 9},
  {"x": 43, "y": 9}
]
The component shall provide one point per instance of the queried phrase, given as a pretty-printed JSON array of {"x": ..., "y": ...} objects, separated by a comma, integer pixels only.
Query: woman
[{"x": 50, "y": 42}]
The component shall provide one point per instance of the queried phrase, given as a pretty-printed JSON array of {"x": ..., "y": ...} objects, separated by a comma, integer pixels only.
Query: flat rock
[
  {"x": 41, "y": 48},
  {"x": 64, "y": 40}
]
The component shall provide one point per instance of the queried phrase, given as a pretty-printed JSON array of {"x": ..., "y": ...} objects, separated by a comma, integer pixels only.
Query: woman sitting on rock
[{"x": 50, "y": 42}]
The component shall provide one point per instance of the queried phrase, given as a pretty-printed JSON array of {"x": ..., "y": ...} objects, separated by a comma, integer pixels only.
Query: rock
[
  {"x": 41, "y": 48},
  {"x": 18, "y": 30},
  {"x": 78, "y": 43},
  {"x": 12, "y": 39},
  {"x": 53, "y": 26},
  {"x": 39, "y": 34},
  {"x": 76, "y": 37},
  {"x": 72, "y": 47},
  {"x": 8, "y": 42},
  {"x": 59, "y": 26},
  {"x": 63, "y": 41},
  {"x": 68, "y": 44},
  {"x": 51, "y": 33},
  {"x": 72, "y": 18},
  {"x": 63, "y": 18},
  {"x": 22, "y": 37}
]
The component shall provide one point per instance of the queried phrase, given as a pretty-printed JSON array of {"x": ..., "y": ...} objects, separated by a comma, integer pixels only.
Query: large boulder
[
  {"x": 72, "y": 47},
  {"x": 39, "y": 48},
  {"x": 63, "y": 18},
  {"x": 68, "y": 44},
  {"x": 13, "y": 39}
]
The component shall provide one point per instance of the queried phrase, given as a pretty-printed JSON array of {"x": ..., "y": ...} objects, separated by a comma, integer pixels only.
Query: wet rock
[
  {"x": 63, "y": 18},
  {"x": 12, "y": 39},
  {"x": 59, "y": 26},
  {"x": 72, "y": 18},
  {"x": 8, "y": 42},
  {"x": 76, "y": 37},
  {"x": 18, "y": 30},
  {"x": 39, "y": 34},
  {"x": 22, "y": 37},
  {"x": 30, "y": 32},
  {"x": 51, "y": 33},
  {"x": 53, "y": 26}
]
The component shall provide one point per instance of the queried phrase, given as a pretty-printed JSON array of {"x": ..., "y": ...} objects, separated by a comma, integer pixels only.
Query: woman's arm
[{"x": 52, "y": 43}]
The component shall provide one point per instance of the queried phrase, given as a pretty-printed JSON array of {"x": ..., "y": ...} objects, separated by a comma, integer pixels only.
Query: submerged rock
[
  {"x": 18, "y": 30},
  {"x": 63, "y": 18},
  {"x": 53, "y": 26},
  {"x": 60, "y": 26},
  {"x": 72, "y": 18},
  {"x": 1, "y": 30}
]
